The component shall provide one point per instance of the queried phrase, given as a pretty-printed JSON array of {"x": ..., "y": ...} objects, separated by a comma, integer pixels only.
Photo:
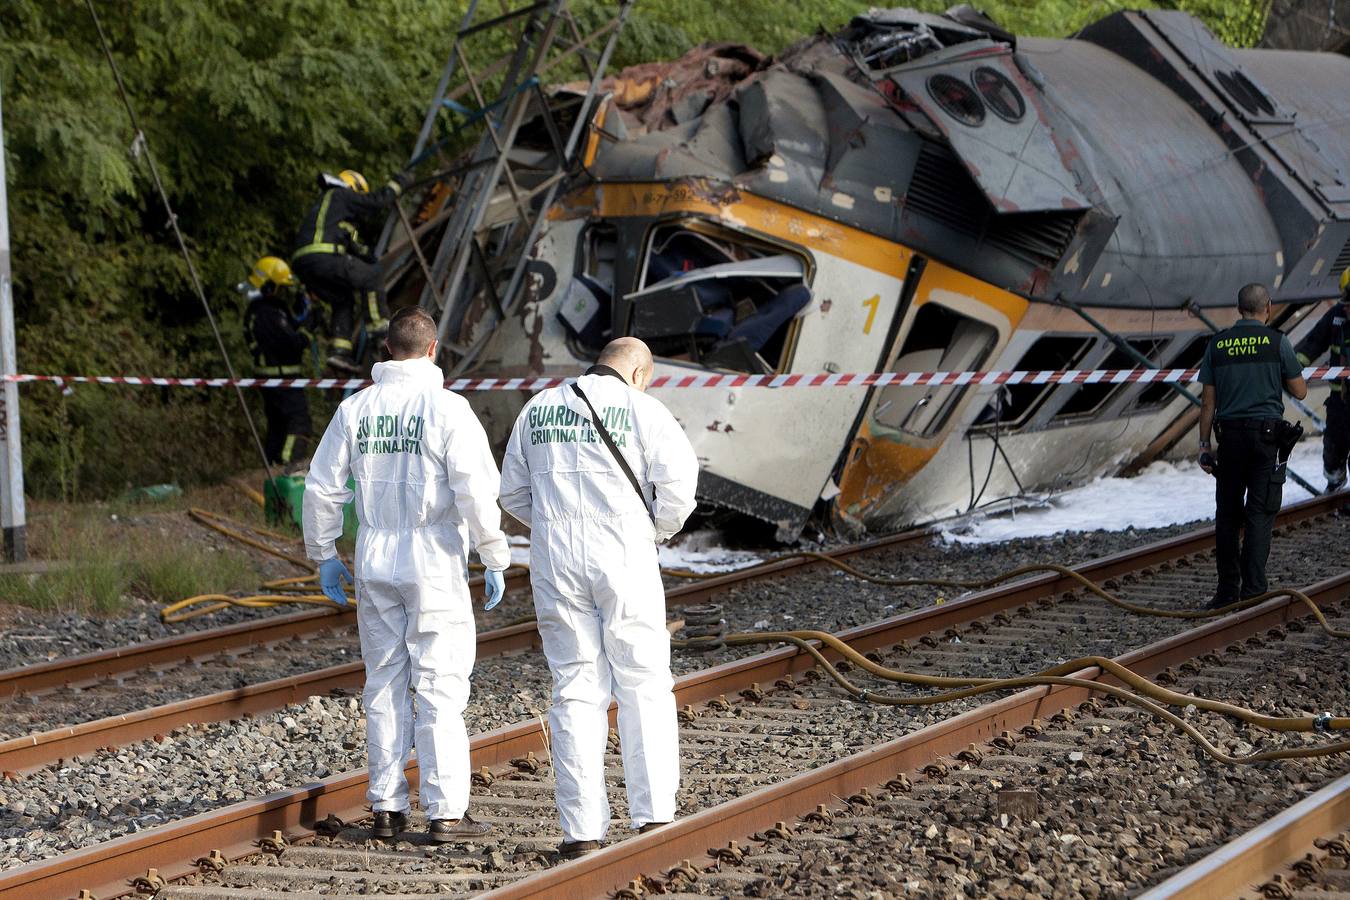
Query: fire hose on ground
[{"x": 705, "y": 627}]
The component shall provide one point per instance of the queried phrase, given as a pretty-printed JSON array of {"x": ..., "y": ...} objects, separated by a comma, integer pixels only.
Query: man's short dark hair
[
  {"x": 411, "y": 331},
  {"x": 1253, "y": 299}
]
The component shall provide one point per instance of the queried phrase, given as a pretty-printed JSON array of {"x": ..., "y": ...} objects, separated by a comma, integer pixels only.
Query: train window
[
  {"x": 957, "y": 99},
  {"x": 1088, "y": 399},
  {"x": 999, "y": 93},
  {"x": 719, "y": 299},
  {"x": 1049, "y": 353},
  {"x": 1158, "y": 393},
  {"x": 940, "y": 340}
]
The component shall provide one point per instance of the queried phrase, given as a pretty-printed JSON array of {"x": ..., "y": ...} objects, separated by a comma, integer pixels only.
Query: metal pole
[
  {"x": 12, "y": 517},
  {"x": 1124, "y": 346}
]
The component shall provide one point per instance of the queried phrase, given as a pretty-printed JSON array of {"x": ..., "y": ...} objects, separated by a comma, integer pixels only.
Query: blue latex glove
[
  {"x": 331, "y": 574},
  {"x": 496, "y": 587}
]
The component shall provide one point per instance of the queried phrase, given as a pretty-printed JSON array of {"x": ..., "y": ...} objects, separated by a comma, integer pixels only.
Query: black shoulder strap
[{"x": 613, "y": 448}]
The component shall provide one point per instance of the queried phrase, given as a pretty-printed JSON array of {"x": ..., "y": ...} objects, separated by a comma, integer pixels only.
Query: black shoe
[
  {"x": 443, "y": 831},
  {"x": 577, "y": 849},
  {"x": 1222, "y": 601},
  {"x": 388, "y": 824},
  {"x": 652, "y": 826}
]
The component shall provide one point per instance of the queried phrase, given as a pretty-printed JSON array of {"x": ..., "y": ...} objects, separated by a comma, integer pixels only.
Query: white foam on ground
[
  {"x": 696, "y": 552},
  {"x": 1163, "y": 494}
]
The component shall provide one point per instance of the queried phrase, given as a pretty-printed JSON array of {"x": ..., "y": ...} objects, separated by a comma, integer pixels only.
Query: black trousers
[
  {"x": 1247, "y": 493},
  {"x": 288, "y": 428},
  {"x": 345, "y": 283},
  {"x": 1336, "y": 439}
]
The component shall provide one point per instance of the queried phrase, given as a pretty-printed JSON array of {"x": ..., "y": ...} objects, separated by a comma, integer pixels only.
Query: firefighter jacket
[
  {"x": 274, "y": 337},
  {"x": 332, "y": 223},
  {"x": 1330, "y": 335}
]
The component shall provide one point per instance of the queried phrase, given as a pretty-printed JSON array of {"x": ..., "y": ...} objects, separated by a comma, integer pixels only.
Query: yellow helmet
[
  {"x": 354, "y": 180},
  {"x": 273, "y": 269},
  {"x": 1345, "y": 279}
]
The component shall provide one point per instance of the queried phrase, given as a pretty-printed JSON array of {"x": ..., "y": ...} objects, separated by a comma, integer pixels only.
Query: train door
[{"x": 954, "y": 324}]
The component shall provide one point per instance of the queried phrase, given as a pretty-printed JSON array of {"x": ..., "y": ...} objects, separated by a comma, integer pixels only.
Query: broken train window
[
  {"x": 940, "y": 340},
  {"x": 718, "y": 298},
  {"x": 1089, "y": 399},
  {"x": 587, "y": 303},
  {"x": 1014, "y": 404}
]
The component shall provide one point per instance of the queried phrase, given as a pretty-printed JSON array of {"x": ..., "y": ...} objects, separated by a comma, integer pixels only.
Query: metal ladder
[{"x": 474, "y": 256}]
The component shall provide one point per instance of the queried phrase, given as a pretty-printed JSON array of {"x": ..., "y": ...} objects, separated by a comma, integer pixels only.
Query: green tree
[{"x": 243, "y": 103}]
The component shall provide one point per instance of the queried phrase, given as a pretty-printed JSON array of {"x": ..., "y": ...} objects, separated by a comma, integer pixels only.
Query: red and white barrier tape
[{"x": 705, "y": 380}]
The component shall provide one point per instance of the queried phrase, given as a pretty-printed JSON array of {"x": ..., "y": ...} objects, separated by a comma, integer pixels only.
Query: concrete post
[{"x": 12, "y": 517}]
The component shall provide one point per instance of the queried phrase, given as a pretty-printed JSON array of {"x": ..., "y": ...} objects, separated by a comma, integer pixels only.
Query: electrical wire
[{"x": 144, "y": 145}]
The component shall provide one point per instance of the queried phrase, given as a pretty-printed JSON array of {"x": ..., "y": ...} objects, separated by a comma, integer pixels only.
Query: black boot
[
  {"x": 388, "y": 824},
  {"x": 577, "y": 849},
  {"x": 445, "y": 830}
]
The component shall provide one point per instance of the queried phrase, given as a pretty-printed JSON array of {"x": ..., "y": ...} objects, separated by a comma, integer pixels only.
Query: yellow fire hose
[
  {"x": 1145, "y": 694},
  {"x": 971, "y": 687},
  {"x": 205, "y": 604}
]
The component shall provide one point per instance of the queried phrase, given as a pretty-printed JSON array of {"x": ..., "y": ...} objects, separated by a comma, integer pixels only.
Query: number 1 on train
[{"x": 872, "y": 303}]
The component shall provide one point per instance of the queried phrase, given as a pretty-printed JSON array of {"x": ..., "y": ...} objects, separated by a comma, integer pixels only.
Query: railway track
[
  {"x": 999, "y": 626},
  {"x": 94, "y": 695},
  {"x": 1302, "y": 853}
]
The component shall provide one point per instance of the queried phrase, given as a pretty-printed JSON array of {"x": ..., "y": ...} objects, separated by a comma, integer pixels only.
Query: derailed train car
[{"x": 929, "y": 193}]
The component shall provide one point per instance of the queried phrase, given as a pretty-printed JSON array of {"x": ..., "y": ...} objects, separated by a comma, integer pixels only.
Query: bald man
[{"x": 596, "y": 509}]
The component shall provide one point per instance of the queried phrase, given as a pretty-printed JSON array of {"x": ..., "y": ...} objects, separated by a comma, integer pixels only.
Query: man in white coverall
[
  {"x": 426, "y": 490},
  {"x": 597, "y": 585}
]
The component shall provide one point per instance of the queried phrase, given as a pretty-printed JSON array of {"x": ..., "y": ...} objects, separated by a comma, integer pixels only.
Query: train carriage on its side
[{"x": 929, "y": 193}]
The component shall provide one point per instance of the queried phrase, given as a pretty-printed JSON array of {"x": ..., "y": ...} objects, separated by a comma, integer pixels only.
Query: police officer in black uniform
[
  {"x": 333, "y": 261},
  {"x": 1242, "y": 371},
  {"x": 1331, "y": 335},
  {"x": 278, "y": 345}
]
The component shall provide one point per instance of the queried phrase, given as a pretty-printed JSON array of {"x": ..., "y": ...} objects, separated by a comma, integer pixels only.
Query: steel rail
[
  {"x": 611, "y": 868},
  {"x": 91, "y": 667},
  {"x": 106, "y": 868},
  {"x": 1266, "y": 849},
  {"x": 36, "y": 750}
]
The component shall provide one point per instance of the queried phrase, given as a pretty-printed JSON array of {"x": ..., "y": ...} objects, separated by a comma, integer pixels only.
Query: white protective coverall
[
  {"x": 426, "y": 489},
  {"x": 597, "y": 587}
]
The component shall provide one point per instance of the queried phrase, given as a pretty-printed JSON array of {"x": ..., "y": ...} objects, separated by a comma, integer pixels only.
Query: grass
[{"x": 101, "y": 562}]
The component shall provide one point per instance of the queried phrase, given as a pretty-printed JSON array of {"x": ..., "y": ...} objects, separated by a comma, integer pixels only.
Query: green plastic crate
[{"x": 284, "y": 498}]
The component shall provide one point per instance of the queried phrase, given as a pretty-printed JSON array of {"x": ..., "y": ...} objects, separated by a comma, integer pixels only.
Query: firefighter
[
  {"x": 1332, "y": 336},
  {"x": 332, "y": 260},
  {"x": 272, "y": 329}
]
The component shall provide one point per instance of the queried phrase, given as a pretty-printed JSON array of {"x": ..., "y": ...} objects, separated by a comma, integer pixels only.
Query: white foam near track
[
  {"x": 697, "y": 551},
  {"x": 1163, "y": 494}
]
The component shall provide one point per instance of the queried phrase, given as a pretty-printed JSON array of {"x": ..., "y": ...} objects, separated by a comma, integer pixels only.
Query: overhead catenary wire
[{"x": 143, "y": 144}]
